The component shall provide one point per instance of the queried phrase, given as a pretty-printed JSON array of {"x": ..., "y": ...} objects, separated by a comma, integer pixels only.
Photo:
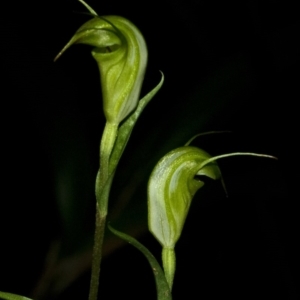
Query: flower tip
[
  {"x": 89, "y": 8},
  {"x": 61, "y": 52},
  {"x": 64, "y": 49},
  {"x": 57, "y": 56},
  {"x": 267, "y": 156}
]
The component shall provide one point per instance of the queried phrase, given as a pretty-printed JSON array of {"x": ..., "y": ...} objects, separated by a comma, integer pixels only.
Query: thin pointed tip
[
  {"x": 89, "y": 8},
  {"x": 61, "y": 52},
  {"x": 57, "y": 56},
  {"x": 224, "y": 187},
  {"x": 269, "y": 156}
]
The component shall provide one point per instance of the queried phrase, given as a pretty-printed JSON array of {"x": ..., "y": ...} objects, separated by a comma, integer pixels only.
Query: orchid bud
[{"x": 121, "y": 54}]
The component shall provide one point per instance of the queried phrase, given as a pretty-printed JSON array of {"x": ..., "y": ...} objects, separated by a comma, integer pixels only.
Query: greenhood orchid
[
  {"x": 121, "y": 54},
  {"x": 171, "y": 188}
]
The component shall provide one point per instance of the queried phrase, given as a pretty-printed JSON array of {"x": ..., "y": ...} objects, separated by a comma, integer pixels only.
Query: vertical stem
[
  {"x": 169, "y": 265},
  {"x": 103, "y": 184},
  {"x": 97, "y": 254},
  {"x": 103, "y": 177}
]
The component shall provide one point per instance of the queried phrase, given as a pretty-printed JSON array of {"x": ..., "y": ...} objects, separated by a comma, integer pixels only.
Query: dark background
[{"x": 227, "y": 66}]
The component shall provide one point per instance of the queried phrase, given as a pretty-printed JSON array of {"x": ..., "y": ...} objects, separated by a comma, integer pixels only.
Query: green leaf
[
  {"x": 127, "y": 127},
  {"x": 9, "y": 296},
  {"x": 163, "y": 291},
  {"x": 123, "y": 136}
]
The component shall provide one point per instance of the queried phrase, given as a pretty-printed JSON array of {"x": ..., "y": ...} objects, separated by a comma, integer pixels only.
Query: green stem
[
  {"x": 104, "y": 178},
  {"x": 169, "y": 265},
  {"x": 97, "y": 254},
  {"x": 103, "y": 185},
  {"x": 107, "y": 143}
]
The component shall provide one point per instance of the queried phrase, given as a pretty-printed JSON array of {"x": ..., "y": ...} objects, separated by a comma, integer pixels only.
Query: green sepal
[
  {"x": 202, "y": 134},
  {"x": 214, "y": 158},
  {"x": 9, "y": 296},
  {"x": 162, "y": 286}
]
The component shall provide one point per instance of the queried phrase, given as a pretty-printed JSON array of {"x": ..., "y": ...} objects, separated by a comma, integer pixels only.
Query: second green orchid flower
[{"x": 171, "y": 188}]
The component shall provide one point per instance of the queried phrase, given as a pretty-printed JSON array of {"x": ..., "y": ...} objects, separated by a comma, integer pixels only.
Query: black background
[{"x": 228, "y": 66}]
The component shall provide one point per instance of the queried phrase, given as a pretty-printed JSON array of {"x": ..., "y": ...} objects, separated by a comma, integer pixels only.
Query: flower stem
[
  {"x": 103, "y": 185},
  {"x": 103, "y": 178},
  {"x": 169, "y": 264},
  {"x": 97, "y": 254}
]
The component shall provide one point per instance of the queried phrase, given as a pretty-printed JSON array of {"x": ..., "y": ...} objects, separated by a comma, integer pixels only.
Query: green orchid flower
[
  {"x": 171, "y": 188},
  {"x": 121, "y": 54}
]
